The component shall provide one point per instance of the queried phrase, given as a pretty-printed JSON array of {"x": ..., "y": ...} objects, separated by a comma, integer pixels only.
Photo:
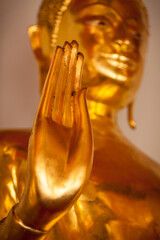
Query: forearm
[{"x": 13, "y": 228}]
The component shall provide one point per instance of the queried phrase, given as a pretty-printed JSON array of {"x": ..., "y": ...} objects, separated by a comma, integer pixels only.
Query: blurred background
[{"x": 19, "y": 92}]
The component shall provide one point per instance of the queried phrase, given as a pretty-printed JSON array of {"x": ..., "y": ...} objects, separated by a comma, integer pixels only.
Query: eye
[
  {"x": 98, "y": 23},
  {"x": 136, "y": 35},
  {"x": 104, "y": 23}
]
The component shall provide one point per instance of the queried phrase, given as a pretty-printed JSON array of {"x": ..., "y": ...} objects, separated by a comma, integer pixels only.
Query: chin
[{"x": 112, "y": 92}]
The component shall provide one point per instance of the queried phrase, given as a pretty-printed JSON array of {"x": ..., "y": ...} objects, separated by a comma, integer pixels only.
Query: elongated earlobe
[
  {"x": 131, "y": 121},
  {"x": 41, "y": 54}
]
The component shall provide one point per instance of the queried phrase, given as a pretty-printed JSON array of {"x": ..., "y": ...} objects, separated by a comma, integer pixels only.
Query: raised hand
[{"x": 60, "y": 147}]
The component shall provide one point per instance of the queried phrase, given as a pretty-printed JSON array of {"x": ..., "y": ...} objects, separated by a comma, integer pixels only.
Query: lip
[{"x": 119, "y": 61}]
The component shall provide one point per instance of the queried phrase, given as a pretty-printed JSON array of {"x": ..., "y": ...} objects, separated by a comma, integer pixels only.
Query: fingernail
[{"x": 74, "y": 42}]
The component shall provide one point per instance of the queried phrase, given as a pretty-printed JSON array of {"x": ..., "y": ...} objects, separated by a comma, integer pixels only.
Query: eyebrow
[
  {"x": 111, "y": 13},
  {"x": 132, "y": 22},
  {"x": 90, "y": 16}
]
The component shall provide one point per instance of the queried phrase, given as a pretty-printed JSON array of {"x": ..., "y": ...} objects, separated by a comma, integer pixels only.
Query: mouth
[{"x": 119, "y": 61}]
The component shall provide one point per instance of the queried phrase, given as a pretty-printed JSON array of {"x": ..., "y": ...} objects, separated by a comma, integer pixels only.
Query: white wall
[
  {"x": 147, "y": 104},
  {"x": 19, "y": 78}
]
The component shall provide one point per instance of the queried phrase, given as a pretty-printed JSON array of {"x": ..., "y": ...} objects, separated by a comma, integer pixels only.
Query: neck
[{"x": 103, "y": 117}]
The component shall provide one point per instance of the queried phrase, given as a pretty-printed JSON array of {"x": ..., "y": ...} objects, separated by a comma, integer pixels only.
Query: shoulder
[
  {"x": 121, "y": 162},
  {"x": 13, "y": 145},
  {"x": 15, "y": 137}
]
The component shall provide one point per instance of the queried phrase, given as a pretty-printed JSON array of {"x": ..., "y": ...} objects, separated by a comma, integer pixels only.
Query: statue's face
[{"x": 114, "y": 37}]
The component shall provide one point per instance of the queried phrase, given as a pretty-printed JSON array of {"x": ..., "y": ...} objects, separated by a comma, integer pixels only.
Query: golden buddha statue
[{"x": 49, "y": 192}]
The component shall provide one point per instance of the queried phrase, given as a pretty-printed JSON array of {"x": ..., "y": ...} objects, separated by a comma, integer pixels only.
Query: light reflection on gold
[
  {"x": 14, "y": 176},
  {"x": 61, "y": 188},
  {"x": 80, "y": 206},
  {"x": 12, "y": 190},
  {"x": 8, "y": 201}
]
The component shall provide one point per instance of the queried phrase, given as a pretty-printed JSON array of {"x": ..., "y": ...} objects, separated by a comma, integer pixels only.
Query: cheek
[
  {"x": 92, "y": 38},
  {"x": 143, "y": 49},
  {"x": 109, "y": 36}
]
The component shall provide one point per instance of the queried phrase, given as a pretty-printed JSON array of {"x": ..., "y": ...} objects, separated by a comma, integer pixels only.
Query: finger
[
  {"x": 82, "y": 137},
  {"x": 61, "y": 84},
  {"x": 78, "y": 74},
  {"x": 77, "y": 85},
  {"x": 67, "y": 119},
  {"x": 84, "y": 114},
  {"x": 50, "y": 84},
  {"x": 81, "y": 116},
  {"x": 76, "y": 114}
]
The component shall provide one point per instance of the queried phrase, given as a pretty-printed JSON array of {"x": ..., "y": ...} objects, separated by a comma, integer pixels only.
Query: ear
[
  {"x": 34, "y": 33},
  {"x": 130, "y": 115},
  {"x": 43, "y": 61}
]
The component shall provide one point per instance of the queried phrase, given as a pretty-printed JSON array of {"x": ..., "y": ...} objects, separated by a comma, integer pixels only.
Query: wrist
[
  {"x": 35, "y": 215},
  {"x": 14, "y": 228}
]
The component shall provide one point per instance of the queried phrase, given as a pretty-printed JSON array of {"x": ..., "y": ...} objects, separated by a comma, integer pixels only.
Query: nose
[{"x": 122, "y": 41}]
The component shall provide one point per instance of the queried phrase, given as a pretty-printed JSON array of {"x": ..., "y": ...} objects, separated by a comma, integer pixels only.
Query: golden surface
[{"x": 121, "y": 199}]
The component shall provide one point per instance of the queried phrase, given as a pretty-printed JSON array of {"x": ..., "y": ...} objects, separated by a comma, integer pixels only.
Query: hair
[{"x": 51, "y": 13}]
